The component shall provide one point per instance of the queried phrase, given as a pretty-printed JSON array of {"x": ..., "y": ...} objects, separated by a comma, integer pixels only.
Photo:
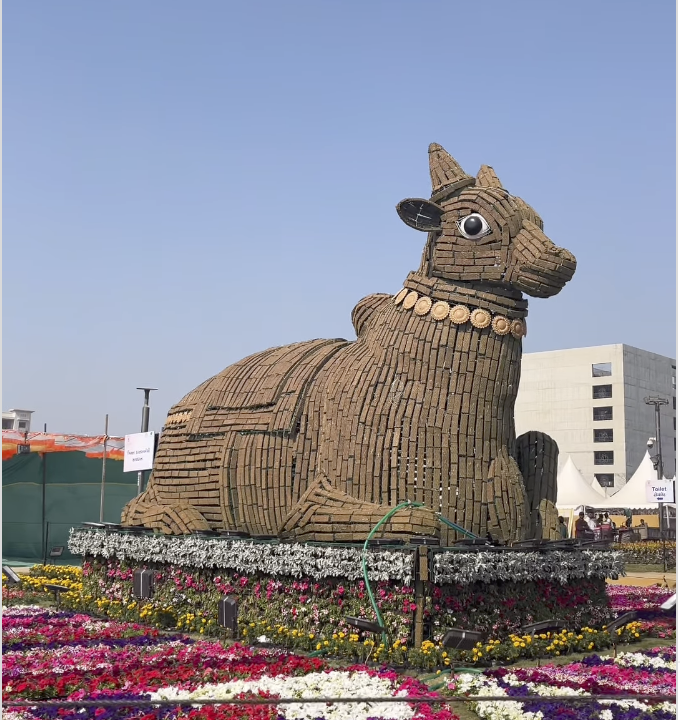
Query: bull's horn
[{"x": 447, "y": 175}]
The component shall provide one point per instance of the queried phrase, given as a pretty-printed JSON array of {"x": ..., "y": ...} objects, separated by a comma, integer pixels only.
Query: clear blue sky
[{"x": 186, "y": 183}]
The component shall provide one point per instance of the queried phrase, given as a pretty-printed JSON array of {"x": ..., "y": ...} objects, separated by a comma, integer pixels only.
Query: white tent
[
  {"x": 573, "y": 490},
  {"x": 598, "y": 488},
  {"x": 633, "y": 494},
  {"x": 606, "y": 492}
]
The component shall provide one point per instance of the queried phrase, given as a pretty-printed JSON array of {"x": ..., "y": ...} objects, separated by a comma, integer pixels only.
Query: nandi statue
[{"x": 318, "y": 440}]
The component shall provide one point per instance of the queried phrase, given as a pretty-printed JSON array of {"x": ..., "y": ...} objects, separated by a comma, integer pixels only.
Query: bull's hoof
[{"x": 326, "y": 514}]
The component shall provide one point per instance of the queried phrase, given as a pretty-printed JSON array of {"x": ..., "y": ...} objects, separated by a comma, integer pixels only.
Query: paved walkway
[{"x": 644, "y": 579}]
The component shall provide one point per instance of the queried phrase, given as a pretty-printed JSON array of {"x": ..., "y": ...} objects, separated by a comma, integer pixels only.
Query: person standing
[
  {"x": 583, "y": 530},
  {"x": 562, "y": 528},
  {"x": 628, "y": 513}
]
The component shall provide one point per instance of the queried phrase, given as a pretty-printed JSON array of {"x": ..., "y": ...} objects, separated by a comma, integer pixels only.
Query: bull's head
[{"x": 479, "y": 233}]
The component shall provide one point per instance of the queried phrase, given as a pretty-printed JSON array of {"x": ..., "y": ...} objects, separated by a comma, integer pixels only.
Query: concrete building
[
  {"x": 591, "y": 401},
  {"x": 19, "y": 420}
]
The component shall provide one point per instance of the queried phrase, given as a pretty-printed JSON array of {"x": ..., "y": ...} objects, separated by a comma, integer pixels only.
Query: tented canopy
[
  {"x": 633, "y": 494},
  {"x": 607, "y": 492},
  {"x": 598, "y": 488},
  {"x": 573, "y": 490}
]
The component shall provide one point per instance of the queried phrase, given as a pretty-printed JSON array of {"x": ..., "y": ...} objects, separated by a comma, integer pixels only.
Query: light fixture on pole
[
  {"x": 657, "y": 461},
  {"x": 145, "y": 428}
]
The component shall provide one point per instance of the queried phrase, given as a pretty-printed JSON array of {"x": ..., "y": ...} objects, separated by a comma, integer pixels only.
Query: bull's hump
[{"x": 257, "y": 391}]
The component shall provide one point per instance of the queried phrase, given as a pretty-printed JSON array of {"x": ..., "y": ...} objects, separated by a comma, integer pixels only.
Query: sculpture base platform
[{"x": 298, "y": 595}]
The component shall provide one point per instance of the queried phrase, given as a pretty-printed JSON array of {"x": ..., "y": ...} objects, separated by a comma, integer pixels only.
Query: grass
[{"x": 631, "y": 568}]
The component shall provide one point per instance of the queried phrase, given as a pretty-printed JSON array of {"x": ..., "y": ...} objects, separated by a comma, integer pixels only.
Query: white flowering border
[
  {"x": 510, "y": 710},
  {"x": 521, "y": 566},
  {"x": 333, "y": 684},
  {"x": 290, "y": 559},
  {"x": 318, "y": 562}
]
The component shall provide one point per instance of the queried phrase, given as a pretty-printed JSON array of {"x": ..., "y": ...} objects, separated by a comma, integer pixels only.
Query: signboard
[
  {"x": 139, "y": 451},
  {"x": 660, "y": 491},
  {"x": 23, "y": 449}
]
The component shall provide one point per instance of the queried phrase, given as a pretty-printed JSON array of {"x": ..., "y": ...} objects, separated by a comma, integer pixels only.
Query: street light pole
[
  {"x": 658, "y": 402},
  {"x": 145, "y": 428}
]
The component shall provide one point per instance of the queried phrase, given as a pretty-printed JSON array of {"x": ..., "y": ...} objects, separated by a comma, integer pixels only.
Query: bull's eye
[{"x": 474, "y": 226}]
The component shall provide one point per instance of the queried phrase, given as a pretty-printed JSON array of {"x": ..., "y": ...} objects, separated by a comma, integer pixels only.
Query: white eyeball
[{"x": 474, "y": 226}]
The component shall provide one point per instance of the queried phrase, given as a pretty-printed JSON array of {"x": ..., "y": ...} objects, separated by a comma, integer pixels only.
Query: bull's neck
[{"x": 496, "y": 300}]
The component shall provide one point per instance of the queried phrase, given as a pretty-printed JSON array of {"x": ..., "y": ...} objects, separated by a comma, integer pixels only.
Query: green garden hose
[
  {"x": 385, "y": 518},
  {"x": 457, "y": 528},
  {"x": 378, "y": 616}
]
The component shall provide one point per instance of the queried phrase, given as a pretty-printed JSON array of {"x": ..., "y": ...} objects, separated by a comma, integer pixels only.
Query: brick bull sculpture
[{"x": 317, "y": 440}]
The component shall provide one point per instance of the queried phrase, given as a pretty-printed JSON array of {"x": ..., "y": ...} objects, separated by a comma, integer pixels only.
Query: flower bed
[
  {"x": 308, "y": 615},
  {"x": 648, "y": 553},
  {"x": 298, "y": 596},
  {"x": 49, "y": 654},
  {"x": 650, "y": 672},
  {"x": 623, "y": 598},
  {"x": 303, "y": 628}
]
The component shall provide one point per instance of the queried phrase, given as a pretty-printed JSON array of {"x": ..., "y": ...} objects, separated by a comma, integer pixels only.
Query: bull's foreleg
[
  {"x": 326, "y": 513},
  {"x": 537, "y": 459}
]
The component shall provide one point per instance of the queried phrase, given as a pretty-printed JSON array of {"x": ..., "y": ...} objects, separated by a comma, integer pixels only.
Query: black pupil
[{"x": 473, "y": 225}]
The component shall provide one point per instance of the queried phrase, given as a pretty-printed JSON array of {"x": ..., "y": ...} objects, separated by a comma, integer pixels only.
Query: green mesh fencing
[{"x": 72, "y": 483}]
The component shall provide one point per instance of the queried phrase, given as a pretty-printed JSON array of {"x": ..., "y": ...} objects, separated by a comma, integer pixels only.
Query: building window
[
  {"x": 604, "y": 457},
  {"x": 674, "y": 402},
  {"x": 23, "y": 424},
  {"x": 603, "y": 435},
  {"x": 7, "y": 423},
  {"x": 673, "y": 423},
  {"x": 603, "y": 413},
  {"x": 605, "y": 480},
  {"x": 602, "y": 391},
  {"x": 602, "y": 369}
]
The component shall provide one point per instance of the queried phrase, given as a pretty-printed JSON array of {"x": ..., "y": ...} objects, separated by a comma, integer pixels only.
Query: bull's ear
[
  {"x": 486, "y": 177},
  {"x": 420, "y": 214}
]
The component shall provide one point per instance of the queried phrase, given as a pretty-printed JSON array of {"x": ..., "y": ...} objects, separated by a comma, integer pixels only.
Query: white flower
[
  {"x": 321, "y": 684},
  {"x": 293, "y": 559},
  {"x": 462, "y": 567}
]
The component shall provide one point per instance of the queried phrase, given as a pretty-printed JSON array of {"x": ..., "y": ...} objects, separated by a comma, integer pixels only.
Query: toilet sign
[
  {"x": 139, "y": 451},
  {"x": 660, "y": 491}
]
